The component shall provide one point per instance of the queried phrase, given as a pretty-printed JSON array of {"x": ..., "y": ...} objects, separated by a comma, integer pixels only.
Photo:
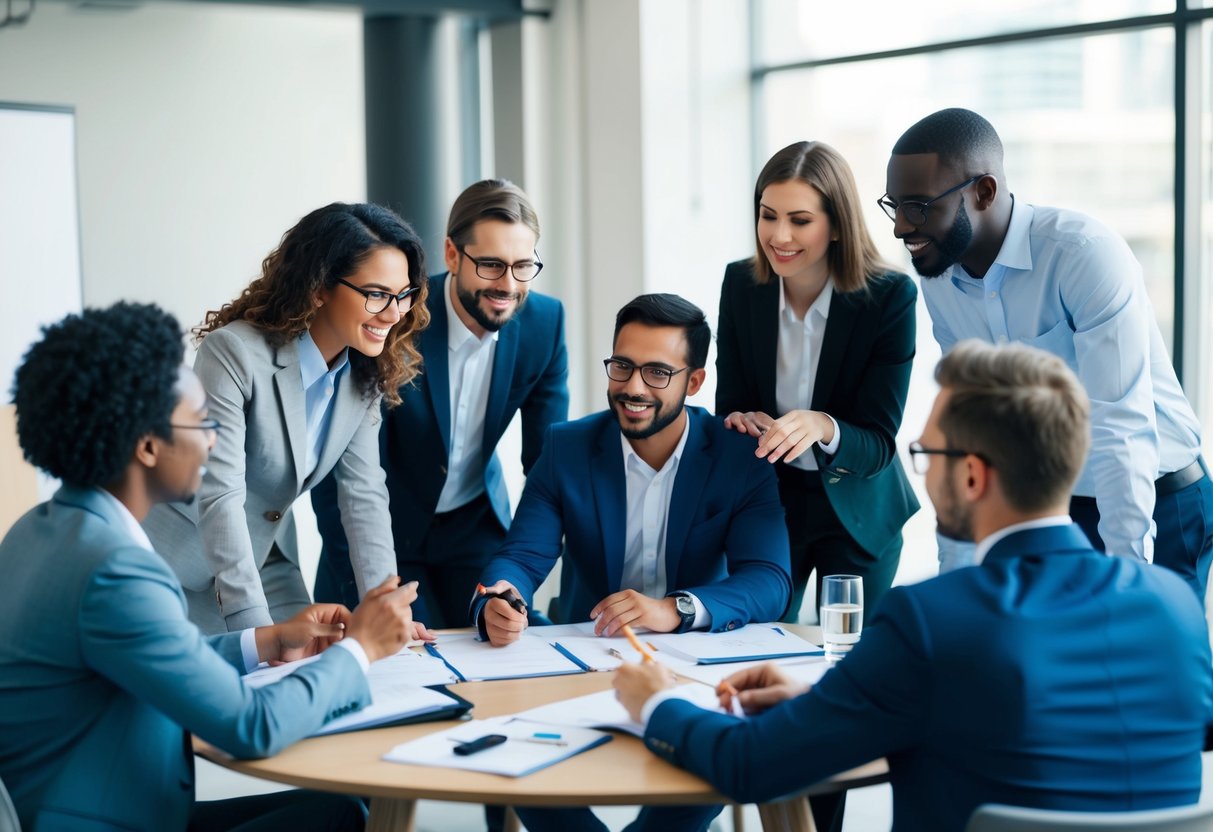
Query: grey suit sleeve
[
  {"x": 363, "y": 500},
  {"x": 133, "y": 630},
  {"x": 226, "y": 371}
]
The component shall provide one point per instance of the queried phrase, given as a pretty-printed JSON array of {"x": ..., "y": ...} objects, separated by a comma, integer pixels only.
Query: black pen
[{"x": 509, "y": 597}]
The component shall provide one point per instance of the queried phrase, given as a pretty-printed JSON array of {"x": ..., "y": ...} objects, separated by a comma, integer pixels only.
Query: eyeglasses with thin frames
[
  {"x": 920, "y": 457},
  {"x": 209, "y": 425},
  {"x": 914, "y": 210},
  {"x": 654, "y": 375},
  {"x": 376, "y": 300},
  {"x": 491, "y": 268}
]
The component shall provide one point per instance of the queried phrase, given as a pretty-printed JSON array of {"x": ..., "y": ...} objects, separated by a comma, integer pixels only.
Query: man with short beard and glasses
[
  {"x": 670, "y": 521},
  {"x": 493, "y": 348},
  {"x": 999, "y": 269}
]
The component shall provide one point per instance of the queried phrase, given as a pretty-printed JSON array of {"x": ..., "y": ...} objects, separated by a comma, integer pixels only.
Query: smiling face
[
  {"x": 794, "y": 230},
  {"x": 947, "y": 235},
  {"x": 488, "y": 305},
  {"x": 342, "y": 320},
  {"x": 644, "y": 411}
]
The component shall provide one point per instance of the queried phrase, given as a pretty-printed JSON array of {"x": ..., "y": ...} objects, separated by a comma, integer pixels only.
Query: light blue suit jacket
[
  {"x": 102, "y": 675},
  {"x": 725, "y": 537},
  {"x": 1051, "y": 676}
]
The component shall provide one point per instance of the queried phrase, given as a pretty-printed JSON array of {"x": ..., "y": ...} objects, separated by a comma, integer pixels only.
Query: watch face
[{"x": 684, "y": 605}]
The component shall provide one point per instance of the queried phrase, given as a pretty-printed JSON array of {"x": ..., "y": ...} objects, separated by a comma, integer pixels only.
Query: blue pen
[{"x": 781, "y": 632}]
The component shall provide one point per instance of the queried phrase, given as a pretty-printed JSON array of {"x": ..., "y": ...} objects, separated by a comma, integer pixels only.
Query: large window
[{"x": 1083, "y": 95}]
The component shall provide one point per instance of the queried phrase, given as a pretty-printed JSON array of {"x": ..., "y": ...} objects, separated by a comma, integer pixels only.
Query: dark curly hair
[
  {"x": 328, "y": 244},
  {"x": 94, "y": 385}
]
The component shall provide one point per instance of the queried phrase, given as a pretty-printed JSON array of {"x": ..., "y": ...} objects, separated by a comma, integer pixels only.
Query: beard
[
  {"x": 662, "y": 416},
  {"x": 952, "y": 518},
  {"x": 491, "y": 321},
  {"x": 951, "y": 248}
]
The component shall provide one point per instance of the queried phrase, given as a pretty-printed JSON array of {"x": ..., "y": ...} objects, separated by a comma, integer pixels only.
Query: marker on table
[{"x": 636, "y": 645}]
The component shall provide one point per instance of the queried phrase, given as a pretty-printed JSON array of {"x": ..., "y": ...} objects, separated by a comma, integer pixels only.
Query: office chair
[
  {"x": 8, "y": 813},
  {"x": 995, "y": 818}
]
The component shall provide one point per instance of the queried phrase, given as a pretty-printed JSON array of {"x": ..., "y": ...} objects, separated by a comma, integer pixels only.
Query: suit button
[
  {"x": 833, "y": 480},
  {"x": 442, "y": 470},
  {"x": 273, "y": 516},
  {"x": 732, "y": 625},
  {"x": 842, "y": 470}
]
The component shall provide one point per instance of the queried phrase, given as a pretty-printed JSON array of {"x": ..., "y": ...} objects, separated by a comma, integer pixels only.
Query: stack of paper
[
  {"x": 603, "y": 710},
  {"x": 474, "y": 660},
  {"x": 753, "y": 642}
]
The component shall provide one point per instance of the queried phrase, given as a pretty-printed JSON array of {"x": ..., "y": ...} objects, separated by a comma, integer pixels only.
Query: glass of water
[{"x": 841, "y": 614}]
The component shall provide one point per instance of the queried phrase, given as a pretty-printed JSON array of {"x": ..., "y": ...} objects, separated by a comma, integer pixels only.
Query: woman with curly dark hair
[{"x": 295, "y": 369}]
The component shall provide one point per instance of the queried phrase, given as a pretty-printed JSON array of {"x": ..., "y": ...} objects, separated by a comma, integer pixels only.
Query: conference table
[{"x": 620, "y": 772}]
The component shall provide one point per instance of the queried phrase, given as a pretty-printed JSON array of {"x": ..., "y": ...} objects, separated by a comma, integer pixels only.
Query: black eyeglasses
[
  {"x": 653, "y": 375},
  {"x": 376, "y": 300},
  {"x": 915, "y": 211},
  {"x": 491, "y": 268},
  {"x": 211, "y": 425},
  {"x": 919, "y": 456}
]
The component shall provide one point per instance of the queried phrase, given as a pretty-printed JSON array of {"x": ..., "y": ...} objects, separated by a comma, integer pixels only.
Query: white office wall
[{"x": 204, "y": 131}]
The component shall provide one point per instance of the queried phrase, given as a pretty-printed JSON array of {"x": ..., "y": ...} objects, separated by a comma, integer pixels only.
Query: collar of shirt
[
  {"x": 457, "y": 332},
  {"x": 629, "y": 453},
  {"x": 312, "y": 366},
  {"x": 987, "y": 543},
  {"x": 1015, "y": 253},
  {"x": 128, "y": 521},
  {"x": 820, "y": 307}
]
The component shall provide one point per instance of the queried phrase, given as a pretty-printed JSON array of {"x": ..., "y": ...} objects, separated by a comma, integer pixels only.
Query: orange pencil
[{"x": 635, "y": 642}]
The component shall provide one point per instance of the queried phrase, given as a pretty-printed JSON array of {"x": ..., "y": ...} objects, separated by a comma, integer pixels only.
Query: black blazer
[{"x": 863, "y": 376}]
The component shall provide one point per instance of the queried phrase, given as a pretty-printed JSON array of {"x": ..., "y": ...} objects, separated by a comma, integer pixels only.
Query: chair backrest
[
  {"x": 8, "y": 813},
  {"x": 995, "y": 818}
]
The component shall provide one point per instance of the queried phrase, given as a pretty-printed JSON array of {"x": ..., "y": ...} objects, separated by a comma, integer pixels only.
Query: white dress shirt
[
  {"x": 319, "y": 382},
  {"x": 470, "y": 368},
  {"x": 987, "y": 542},
  {"x": 648, "y": 511},
  {"x": 796, "y": 362}
]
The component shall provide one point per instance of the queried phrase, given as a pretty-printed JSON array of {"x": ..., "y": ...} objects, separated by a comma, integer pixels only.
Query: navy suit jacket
[
  {"x": 102, "y": 674},
  {"x": 1050, "y": 676},
  {"x": 530, "y": 373},
  {"x": 863, "y": 376},
  {"x": 725, "y": 537}
]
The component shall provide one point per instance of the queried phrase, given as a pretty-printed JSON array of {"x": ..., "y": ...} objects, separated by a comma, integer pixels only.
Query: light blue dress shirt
[
  {"x": 319, "y": 382},
  {"x": 1069, "y": 285}
]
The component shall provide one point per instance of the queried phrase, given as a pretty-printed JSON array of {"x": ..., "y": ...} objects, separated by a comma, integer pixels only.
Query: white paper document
[
  {"x": 752, "y": 642},
  {"x": 806, "y": 669},
  {"x": 603, "y": 710},
  {"x": 476, "y": 660},
  {"x": 528, "y": 748},
  {"x": 601, "y": 653}
]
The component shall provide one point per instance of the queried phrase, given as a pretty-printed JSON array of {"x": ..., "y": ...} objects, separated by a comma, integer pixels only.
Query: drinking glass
[{"x": 841, "y": 614}]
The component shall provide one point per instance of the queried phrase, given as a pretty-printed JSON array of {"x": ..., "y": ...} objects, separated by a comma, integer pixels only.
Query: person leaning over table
[
  {"x": 295, "y": 369},
  {"x": 102, "y": 676},
  {"x": 1048, "y": 675},
  {"x": 813, "y": 356},
  {"x": 668, "y": 519}
]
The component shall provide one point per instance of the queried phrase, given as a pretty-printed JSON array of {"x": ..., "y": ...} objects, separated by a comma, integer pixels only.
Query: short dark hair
[
  {"x": 489, "y": 199},
  {"x": 670, "y": 310},
  {"x": 1021, "y": 409},
  {"x": 960, "y": 137},
  {"x": 94, "y": 385}
]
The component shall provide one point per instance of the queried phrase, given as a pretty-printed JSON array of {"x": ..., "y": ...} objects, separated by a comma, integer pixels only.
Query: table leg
[
  {"x": 512, "y": 824},
  {"x": 390, "y": 815},
  {"x": 790, "y": 815}
]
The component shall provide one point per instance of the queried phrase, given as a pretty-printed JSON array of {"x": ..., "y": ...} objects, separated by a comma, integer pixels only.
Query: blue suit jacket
[
  {"x": 725, "y": 537},
  {"x": 530, "y": 373},
  {"x": 101, "y": 675},
  {"x": 1051, "y": 676}
]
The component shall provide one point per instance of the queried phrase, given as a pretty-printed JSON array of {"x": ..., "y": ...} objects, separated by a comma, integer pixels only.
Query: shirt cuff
[
  {"x": 832, "y": 447},
  {"x": 248, "y": 649},
  {"x": 703, "y": 618},
  {"x": 646, "y": 713},
  {"x": 355, "y": 650}
]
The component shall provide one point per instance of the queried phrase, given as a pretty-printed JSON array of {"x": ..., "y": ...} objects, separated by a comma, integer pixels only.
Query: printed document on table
[
  {"x": 752, "y": 642},
  {"x": 475, "y": 661},
  {"x": 805, "y": 669},
  {"x": 529, "y": 747},
  {"x": 603, "y": 710}
]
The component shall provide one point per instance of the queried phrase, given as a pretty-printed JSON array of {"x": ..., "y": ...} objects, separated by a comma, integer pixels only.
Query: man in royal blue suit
[
  {"x": 1050, "y": 675},
  {"x": 669, "y": 520},
  {"x": 101, "y": 673},
  {"x": 493, "y": 348}
]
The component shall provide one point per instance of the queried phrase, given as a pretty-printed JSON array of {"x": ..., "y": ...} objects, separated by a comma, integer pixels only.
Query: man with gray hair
[{"x": 1048, "y": 676}]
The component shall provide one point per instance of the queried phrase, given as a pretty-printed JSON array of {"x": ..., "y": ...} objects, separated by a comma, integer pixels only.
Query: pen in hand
[
  {"x": 636, "y": 645},
  {"x": 509, "y": 597}
]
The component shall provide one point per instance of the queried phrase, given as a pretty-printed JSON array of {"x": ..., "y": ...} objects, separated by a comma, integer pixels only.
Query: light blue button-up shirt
[
  {"x": 319, "y": 382},
  {"x": 1067, "y": 284}
]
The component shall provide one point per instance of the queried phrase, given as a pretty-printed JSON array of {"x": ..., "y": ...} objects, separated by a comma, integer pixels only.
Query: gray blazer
[{"x": 256, "y": 471}]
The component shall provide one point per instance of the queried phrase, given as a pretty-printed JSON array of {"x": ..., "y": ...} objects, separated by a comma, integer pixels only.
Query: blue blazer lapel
[
  {"x": 504, "y": 358},
  {"x": 692, "y": 477},
  {"x": 434, "y": 358},
  {"x": 764, "y": 323},
  {"x": 843, "y": 314},
  {"x": 610, "y": 499},
  {"x": 289, "y": 385}
]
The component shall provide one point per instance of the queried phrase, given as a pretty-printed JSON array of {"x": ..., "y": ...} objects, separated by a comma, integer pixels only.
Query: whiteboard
[{"x": 40, "y": 276}]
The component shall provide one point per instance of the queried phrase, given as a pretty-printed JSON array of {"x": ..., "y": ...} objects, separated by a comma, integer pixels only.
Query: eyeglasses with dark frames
[
  {"x": 376, "y": 300},
  {"x": 210, "y": 425},
  {"x": 915, "y": 210},
  {"x": 654, "y": 375},
  {"x": 492, "y": 268},
  {"x": 920, "y": 457}
]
